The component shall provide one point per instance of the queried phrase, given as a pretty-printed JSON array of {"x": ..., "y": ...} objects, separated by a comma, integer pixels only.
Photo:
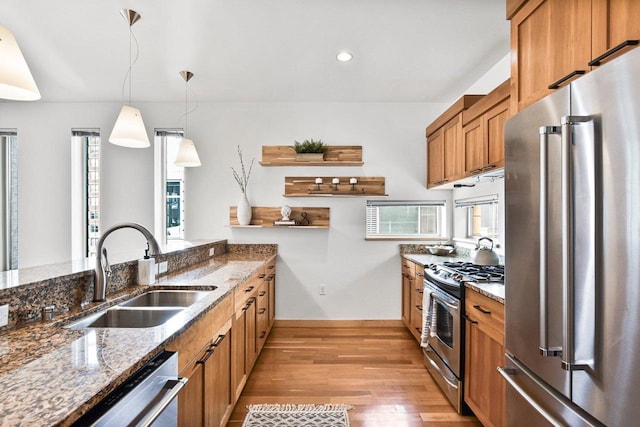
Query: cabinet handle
[
  {"x": 611, "y": 51},
  {"x": 481, "y": 310},
  {"x": 420, "y": 290},
  {"x": 405, "y": 266},
  {"x": 476, "y": 170},
  {"x": 262, "y": 276},
  {"x": 206, "y": 357},
  {"x": 249, "y": 289},
  {"x": 271, "y": 267},
  {"x": 571, "y": 75},
  {"x": 474, "y": 322},
  {"x": 270, "y": 278},
  {"x": 419, "y": 331},
  {"x": 262, "y": 310},
  {"x": 262, "y": 335},
  {"x": 486, "y": 168},
  {"x": 218, "y": 341},
  {"x": 420, "y": 274},
  {"x": 249, "y": 302},
  {"x": 419, "y": 307},
  {"x": 263, "y": 293}
]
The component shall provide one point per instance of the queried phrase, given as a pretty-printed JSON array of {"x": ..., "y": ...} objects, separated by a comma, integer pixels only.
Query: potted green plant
[{"x": 309, "y": 150}]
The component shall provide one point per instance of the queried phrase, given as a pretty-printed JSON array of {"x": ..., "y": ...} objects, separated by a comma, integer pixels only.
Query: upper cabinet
[
  {"x": 445, "y": 145},
  {"x": 554, "y": 41},
  {"x": 483, "y": 131}
]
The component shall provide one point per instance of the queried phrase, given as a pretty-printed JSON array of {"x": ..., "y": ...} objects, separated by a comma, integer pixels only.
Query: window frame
[
  {"x": 441, "y": 220},
  {"x": 160, "y": 185}
]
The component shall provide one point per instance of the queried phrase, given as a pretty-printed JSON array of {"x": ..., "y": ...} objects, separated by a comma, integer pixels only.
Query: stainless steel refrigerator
[{"x": 572, "y": 202}]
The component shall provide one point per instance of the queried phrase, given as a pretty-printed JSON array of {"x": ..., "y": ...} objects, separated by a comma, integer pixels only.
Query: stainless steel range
[{"x": 443, "y": 323}]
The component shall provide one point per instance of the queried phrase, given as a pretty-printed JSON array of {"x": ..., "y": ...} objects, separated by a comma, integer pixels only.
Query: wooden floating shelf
[
  {"x": 306, "y": 186},
  {"x": 264, "y": 217},
  {"x": 334, "y": 155}
]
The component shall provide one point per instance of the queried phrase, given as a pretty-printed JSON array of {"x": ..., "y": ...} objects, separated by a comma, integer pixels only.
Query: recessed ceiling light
[{"x": 344, "y": 56}]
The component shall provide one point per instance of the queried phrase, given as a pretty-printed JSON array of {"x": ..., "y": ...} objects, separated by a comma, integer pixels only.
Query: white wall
[{"x": 361, "y": 276}]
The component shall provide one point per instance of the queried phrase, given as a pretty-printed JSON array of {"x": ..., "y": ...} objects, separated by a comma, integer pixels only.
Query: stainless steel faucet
[{"x": 99, "y": 280}]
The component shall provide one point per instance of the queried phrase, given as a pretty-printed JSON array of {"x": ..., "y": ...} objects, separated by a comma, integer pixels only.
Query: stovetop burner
[{"x": 449, "y": 276}]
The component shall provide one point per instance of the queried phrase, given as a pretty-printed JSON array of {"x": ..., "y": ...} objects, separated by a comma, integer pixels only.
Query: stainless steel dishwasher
[{"x": 148, "y": 398}]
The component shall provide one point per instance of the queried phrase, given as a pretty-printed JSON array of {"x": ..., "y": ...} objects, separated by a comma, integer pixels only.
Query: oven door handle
[
  {"x": 175, "y": 386},
  {"x": 447, "y": 303}
]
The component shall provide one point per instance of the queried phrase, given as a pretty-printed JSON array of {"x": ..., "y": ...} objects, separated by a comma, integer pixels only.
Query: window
[
  {"x": 481, "y": 216},
  {"x": 9, "y": 196},
  {"x": 170, "y": 186},
  {"x": 406, "y": 220},
  {"x": 85, "y": 198}
]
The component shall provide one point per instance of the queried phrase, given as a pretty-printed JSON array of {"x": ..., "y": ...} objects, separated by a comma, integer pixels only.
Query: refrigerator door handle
[
  {"x": 506, "y": 374},
  {"x": 545, "y": 349},
  {"x": 569, "y": 362}
]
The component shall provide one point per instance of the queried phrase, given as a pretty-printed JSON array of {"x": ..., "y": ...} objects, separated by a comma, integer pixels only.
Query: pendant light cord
[
  {"x": 186, "y": 107},
  {"x": 129, "y": 72}
]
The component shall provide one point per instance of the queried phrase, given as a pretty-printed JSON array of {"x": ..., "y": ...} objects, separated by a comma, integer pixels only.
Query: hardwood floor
[{"x": 377, "y": 370}]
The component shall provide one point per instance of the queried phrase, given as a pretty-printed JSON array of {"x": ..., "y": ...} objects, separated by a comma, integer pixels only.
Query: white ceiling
[{"x": 260, "y": 50}]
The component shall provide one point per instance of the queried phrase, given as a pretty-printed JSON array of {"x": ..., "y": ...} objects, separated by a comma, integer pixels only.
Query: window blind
[{"x": 373, "y": 223}]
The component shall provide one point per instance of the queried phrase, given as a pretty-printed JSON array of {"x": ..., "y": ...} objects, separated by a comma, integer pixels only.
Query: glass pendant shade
[
  {"x": 129, "y": 130},
  {"x": 16, "y": 81},
  {"x": 187, "y": 154}
]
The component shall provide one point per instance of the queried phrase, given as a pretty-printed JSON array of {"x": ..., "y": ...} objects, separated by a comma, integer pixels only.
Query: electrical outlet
[
  {"x": 162, "y": 267},
  {"x": 212, "y": 251},
  {"x": 323, "y": 289},
  {"x": 4, "y": 315}
]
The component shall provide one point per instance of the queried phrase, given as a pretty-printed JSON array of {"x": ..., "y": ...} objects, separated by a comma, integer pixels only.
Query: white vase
[{"x": 244, "y": 210}]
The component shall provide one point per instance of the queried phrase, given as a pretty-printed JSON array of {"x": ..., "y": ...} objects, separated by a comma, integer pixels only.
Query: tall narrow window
[
  {"x": 170, "y": 186},
  {"x": 9, "y": 191},
  {"x": 406, "y": 220},
  {"x": 85, "y": 192}
]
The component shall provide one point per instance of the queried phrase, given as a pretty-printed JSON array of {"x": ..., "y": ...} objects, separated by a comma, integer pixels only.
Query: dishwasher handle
[{"x": 174, "y": 387}]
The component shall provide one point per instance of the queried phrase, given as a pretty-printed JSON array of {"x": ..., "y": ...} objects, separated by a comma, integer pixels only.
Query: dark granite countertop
[{"x": 50, "y": 375}]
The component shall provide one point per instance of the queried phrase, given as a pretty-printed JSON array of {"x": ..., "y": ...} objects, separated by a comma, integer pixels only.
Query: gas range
[{"x": 449, "y": 276}]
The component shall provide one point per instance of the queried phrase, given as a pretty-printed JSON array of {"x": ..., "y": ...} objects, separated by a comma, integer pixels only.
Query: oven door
[{"x": 442, "y": 326}]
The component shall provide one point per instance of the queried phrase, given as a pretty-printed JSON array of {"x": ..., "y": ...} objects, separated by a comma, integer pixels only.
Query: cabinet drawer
[
  {"x": 248, "y": 289},
  {"x": 488, "y": 313}
]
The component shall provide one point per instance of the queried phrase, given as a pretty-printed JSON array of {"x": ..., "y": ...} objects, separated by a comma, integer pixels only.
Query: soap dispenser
[{"x": 146, "y": 269}]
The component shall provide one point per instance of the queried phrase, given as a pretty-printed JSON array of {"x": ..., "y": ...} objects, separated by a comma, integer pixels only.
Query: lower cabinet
[
  {"x": 217, "y": 353},
  {"x": 484, "y": 387}
]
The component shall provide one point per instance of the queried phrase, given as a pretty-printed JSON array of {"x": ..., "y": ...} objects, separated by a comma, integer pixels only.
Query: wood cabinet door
[
  {"x": 550, "y": 39},
  {"x": 406, "y": 299},
  {"x": 613, "y": 23},
  {"x": 250, "y": 334},
  {"x": 435, "y": 158},
  {"x": 494, "y": 123},
  {"x": 474, "y": 147},
  {"x": 453, "y": 147},
  {"x": 191, "y": 398},
  {"x": 218, "y": 391},
  {"x": 239, "y": 371},
  {"x": 484, "y": 390}
]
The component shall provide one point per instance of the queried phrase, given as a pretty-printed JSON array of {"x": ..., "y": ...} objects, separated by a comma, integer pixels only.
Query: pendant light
[
  {"x": 187, "y": 155},
  {"x": 129, "y": 130},
  {"x": 16, "y": 81}
]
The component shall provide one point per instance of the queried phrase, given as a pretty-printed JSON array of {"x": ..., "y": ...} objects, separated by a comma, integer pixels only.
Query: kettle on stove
[{"x": 485, "y": 255}]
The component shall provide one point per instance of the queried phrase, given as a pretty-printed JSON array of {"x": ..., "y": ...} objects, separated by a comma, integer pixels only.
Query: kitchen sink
[
  {"x": 143, "y": 311},
  {"x": 165, "y": 299},
  {"x": 127, "y": 318}
]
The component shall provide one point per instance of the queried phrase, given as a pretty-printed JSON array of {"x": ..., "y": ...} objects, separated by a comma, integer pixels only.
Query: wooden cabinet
[
  {"x": 218, "y": 395},
  {"x": 615, "y": 23},
  {"x": 205, "y": 359},
  {"x": 262, "y": 315},
  {"x": 484, "y": 387},
  {"x": 270, "y": 271},
  {"x": 412, "y": 290},
  {"x": 407, "y": 288},
  {"x": 445, "y": 146},
  {"x": 483, "y": 131},
  {"x": 252, "y": 322},
  {"x": 554, "y": 41}
]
